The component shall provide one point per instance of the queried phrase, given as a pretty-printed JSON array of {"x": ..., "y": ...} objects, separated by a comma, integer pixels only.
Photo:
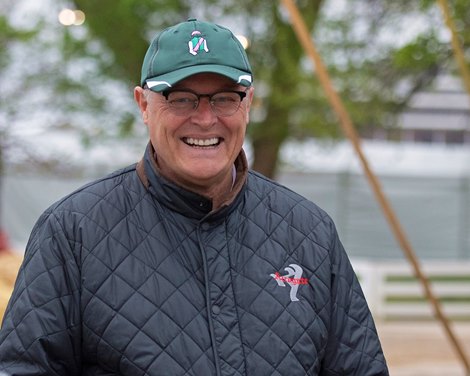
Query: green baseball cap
[{"x": 194, "y": 47}]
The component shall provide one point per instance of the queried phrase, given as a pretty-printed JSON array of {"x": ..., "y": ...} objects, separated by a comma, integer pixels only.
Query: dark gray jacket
[{"x": 126, "y": 278}]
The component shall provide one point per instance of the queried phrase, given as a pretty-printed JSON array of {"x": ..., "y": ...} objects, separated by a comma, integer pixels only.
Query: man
[{"x": 188, "y": 263}]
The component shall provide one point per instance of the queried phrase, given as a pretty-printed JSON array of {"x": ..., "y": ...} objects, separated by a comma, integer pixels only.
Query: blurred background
[{"x": 67, "y": 116}]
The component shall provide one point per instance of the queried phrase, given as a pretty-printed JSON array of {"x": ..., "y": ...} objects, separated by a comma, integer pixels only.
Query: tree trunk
[
  {"x": 266, "y": 144},
  {"x": 268, "y": 136},
  {"x": 265, "y": 156}
]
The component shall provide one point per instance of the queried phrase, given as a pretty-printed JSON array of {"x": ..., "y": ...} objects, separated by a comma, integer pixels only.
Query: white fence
[{"x": 393, "y": 292}]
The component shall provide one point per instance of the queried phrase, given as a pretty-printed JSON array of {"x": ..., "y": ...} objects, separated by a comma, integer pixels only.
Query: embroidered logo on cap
[
  {"x": 197, "y": 43},
  {"x": 293, "y": 278}
]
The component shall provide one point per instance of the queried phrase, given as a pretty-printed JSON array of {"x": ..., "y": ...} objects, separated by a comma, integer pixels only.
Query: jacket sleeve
[
  {"x": 353, "y": 346},
  {"x": 40, "y": 333}
]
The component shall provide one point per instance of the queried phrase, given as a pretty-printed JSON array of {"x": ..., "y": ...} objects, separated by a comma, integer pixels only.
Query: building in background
[{"x": 439, "y": 114}]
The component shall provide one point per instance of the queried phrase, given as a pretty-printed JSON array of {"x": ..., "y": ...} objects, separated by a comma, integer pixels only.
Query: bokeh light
[
  {"x": 66, "y": 17},
  {"x": 69, "y": 17},
  {"x": 79, "y": 17},
  {"x": 243, "y": 40}
]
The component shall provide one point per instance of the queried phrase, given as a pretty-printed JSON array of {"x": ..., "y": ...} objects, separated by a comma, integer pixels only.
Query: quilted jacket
[{"x": 127, "y": 278}]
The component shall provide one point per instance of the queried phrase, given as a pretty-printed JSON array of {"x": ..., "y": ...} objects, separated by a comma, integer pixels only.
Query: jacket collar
[{"x": 182, "y": 200}]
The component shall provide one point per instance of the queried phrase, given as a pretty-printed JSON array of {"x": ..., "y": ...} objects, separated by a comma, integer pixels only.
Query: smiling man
[
  {"x": 188, "y": 263},
  {"x": 197, "y": 129}
]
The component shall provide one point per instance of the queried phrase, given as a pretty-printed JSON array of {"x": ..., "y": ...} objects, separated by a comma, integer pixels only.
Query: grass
[{"x": 442, "y": 278}]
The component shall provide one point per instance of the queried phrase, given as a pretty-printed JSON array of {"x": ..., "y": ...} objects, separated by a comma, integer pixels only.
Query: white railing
[{"x": 392, "y": 292}]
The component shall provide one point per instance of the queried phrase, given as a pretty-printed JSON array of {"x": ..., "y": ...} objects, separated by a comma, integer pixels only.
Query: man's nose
[{"x": 204, "y": 115}]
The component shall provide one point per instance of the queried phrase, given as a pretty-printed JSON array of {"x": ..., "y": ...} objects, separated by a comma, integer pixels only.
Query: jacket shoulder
[
  {"x": 273, "y": 192},
  {"x": 101, "y": 203},
  {"x": 296, "y": 211},
  {"x": 100, "y": 190}
]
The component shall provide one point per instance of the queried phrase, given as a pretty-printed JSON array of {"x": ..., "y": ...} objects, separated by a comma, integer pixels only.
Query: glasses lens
[
  {"x": 182, "y": 102},
  {"x": 225, "y": 103}
]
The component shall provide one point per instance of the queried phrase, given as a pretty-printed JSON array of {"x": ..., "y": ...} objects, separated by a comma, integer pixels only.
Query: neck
[{"x": 219, "y": 193}]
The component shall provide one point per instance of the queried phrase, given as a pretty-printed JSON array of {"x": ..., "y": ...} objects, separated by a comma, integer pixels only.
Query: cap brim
[{"x": 166, "y": 81}]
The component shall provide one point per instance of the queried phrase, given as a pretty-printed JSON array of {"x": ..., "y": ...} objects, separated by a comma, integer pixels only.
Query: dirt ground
[{"x": 423, "y": 348}]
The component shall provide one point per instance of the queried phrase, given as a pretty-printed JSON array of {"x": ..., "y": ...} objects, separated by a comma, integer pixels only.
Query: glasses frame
[{"x": 240, "y": 93}]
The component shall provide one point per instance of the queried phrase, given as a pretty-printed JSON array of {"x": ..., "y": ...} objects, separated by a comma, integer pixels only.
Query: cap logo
[{"x": 197, "y": 43}]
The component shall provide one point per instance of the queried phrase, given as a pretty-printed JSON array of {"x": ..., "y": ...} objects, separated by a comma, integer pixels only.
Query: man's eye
[
  {"x": 224, "y": 99},
  {"x": 182, "y": 102}
]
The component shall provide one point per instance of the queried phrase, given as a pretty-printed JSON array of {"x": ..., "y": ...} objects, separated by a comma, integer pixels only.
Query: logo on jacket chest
[{"x": 293, "y": 278}]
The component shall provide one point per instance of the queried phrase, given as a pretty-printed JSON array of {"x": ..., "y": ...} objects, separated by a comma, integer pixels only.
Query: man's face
[{"x": 178, "y": 139}]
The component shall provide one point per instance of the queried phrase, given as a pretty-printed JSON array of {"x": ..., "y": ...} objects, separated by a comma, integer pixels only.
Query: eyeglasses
[{"x": 185, "y": 102}]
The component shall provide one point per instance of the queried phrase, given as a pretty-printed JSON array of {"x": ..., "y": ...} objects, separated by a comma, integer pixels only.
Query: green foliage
[
  {"x": 419, "y": 54},
  {"x": 63, "y": 79},
  {"x": 368, "y": 46},
  {"x": 123, "y": 27},
  {"x": 8, "y": 35}
]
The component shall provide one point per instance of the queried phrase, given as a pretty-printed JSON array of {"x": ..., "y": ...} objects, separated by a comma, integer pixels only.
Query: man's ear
[{"x": 141, "y": 100}]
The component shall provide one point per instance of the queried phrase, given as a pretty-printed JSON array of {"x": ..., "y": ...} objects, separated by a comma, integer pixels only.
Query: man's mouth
[{"x": 199, "y": 142}]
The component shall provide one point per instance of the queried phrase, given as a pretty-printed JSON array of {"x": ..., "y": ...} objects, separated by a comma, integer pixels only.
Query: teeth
[{"x": 199, "y": 142}]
